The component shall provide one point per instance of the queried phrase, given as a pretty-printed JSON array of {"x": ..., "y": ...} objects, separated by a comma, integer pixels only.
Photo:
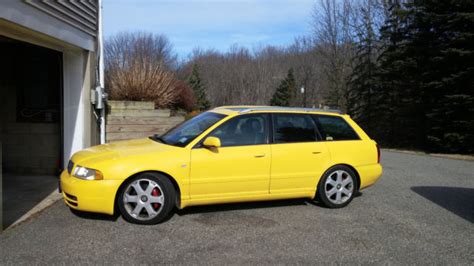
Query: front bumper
[{"x": 92, "y": 196}]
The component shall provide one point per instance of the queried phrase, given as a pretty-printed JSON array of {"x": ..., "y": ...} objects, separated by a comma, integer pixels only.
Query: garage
[
  {"x": 30, "y": 93},
  {"x": 49, "y": 74}
]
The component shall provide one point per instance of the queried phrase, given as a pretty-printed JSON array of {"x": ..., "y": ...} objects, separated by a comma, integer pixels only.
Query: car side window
[
  {"x": 289, "y": 128},
  {"x": 334, "y": 128},
  {"x": 243, "y": 130}
]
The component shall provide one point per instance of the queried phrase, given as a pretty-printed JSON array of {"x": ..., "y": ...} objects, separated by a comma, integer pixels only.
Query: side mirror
[{"x": 212, "y": 142}]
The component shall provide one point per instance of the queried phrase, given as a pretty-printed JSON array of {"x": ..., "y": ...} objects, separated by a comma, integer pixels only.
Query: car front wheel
[
  {"x": 146, "y": 199},
  {"x": 337, "y": 187}
]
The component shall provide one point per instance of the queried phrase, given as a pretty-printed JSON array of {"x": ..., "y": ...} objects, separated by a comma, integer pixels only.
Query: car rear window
[{"x": 334, "y": 128}]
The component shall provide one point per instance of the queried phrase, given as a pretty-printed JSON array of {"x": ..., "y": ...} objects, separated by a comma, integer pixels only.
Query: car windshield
[{"x": 187, "y": 131}]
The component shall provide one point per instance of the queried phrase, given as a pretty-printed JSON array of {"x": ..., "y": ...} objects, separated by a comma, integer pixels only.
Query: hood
[{"x": 111, "y": 151}]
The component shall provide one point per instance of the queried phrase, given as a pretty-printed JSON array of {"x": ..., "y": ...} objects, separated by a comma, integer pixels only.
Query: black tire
[
  {"x": 325, "y": 187},
  {"x": 162, "y": 185}
]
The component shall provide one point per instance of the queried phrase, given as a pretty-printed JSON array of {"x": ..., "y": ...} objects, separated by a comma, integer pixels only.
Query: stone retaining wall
[{"x": 131, "y": 120}]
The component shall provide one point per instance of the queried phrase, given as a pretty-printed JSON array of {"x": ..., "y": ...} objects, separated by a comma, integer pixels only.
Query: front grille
[
  {"x": 70, "y": 165},
  {"x": 71, "y": 196},
  {"x": 72, "y": 203}
]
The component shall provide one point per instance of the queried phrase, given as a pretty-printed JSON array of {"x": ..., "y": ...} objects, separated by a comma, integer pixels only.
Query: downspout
[{"x": 101, "y": 96}]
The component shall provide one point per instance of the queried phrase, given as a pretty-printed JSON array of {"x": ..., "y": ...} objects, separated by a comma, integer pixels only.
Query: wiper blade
[{"x": 158, "y": 138}]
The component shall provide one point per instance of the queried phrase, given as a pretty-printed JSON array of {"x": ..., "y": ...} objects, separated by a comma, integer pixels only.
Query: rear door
[{"x": 298, "y": 158}]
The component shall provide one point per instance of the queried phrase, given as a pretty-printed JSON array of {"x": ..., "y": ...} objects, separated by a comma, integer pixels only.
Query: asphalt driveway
[{"x": 421, "y": 211}]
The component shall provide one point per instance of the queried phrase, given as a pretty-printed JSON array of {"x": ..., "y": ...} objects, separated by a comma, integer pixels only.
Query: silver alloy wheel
[
  {"x": 143, "y": 199},
  {"x": 339, "y": 187}
]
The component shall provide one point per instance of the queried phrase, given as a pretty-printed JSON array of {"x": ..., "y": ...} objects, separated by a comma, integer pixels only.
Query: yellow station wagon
[{"x": 228, "y": 154}]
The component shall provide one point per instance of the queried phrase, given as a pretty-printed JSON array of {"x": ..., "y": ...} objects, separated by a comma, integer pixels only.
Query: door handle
[
  {"x": 260, "y": 155},
  {"x": 316, "y": 152}
]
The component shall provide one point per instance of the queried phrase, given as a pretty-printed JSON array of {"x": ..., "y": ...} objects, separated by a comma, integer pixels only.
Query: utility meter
[{"x": 98, "y": 97}]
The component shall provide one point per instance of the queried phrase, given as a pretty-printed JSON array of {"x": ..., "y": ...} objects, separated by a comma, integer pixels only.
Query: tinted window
[
  {"x": 190, "y": 129},
  {"x": 289, "y": 128},
  {"x": 334, "y": 128},
  {"x": 242, "y": 130}
]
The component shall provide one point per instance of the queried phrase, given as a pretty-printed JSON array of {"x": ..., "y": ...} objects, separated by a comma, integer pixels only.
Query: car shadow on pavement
[
  {"x": 95, "y": 216},
  {"x": 241, "y": 206},
  {"x": 457, "y": 200},
  {"x": 251, "y": 205}
]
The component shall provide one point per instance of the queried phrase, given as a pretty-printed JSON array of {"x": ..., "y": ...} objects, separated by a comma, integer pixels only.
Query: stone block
[
  {"x": 15, "y": 128},
  {"x": 130, "y": 105},
  {"x": 140, "y": 113},
  {"x": 44, "y": 128}
]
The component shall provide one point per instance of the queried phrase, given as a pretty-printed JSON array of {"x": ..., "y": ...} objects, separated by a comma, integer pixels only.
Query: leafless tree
[
  {"x": 243, "y": 76},
  {"x": 333, "y": 36},
  {"x": 140, "y": 65},
  {"x": 138, "y": 68}
]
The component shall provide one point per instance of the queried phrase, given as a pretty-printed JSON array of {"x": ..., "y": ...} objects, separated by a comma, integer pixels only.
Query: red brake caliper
[{"x": 155, "y": 192}]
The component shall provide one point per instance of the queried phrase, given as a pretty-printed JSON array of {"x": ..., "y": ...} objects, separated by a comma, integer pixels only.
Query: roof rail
[{"x": 282, "y": 108}]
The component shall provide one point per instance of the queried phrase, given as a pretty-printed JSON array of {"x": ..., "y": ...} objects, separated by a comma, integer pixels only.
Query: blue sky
[{"x": 211, "y": 23}]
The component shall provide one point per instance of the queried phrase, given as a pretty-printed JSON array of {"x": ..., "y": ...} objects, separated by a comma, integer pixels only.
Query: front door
[{"x": 240, "y": 167}]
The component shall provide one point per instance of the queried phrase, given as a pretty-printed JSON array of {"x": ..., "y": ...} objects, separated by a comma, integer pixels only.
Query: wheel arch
[
  {"x": 170, "y": 178},
  {"x": 355, "y": 172},
  {"x": 346, "y": 165}
]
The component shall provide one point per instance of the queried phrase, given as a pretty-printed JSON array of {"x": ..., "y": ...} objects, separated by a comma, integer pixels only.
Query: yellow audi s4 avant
[{"x": 228, "y": 154}]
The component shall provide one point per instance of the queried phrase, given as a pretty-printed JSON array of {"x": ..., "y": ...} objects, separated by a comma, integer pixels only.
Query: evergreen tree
[
  {"x": 194, "y": 80},
  {"x": 390, "y": 116},
  {"x": 445, "y": 38},
  {"x": 284, "y": 92},
  {"x": 427, "y": 75},
  {"x": 363, "y": 81}
]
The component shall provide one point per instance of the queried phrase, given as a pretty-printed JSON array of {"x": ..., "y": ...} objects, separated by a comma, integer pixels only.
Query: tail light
[{"x": 378, "y": 153}]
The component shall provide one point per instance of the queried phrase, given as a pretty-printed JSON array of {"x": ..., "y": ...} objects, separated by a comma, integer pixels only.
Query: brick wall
[{"x": 131, "y": 120}]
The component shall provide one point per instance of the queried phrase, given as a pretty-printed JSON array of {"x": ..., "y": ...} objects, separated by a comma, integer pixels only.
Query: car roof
[{"x": 238, "y": 109}]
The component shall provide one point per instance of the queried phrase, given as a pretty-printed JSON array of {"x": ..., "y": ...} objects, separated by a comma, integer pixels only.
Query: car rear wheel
[
  {"x": 337, "y": 187},
  {"x": 146, "y": 199}
]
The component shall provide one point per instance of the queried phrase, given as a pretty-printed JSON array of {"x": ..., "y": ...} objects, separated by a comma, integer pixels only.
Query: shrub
[
  {"x": 185, "y": 96},
  {"x": 136, "y": 71}
]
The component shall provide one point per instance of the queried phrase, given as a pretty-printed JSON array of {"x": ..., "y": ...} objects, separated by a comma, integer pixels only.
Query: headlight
[{"x": 87, "y": 173}]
